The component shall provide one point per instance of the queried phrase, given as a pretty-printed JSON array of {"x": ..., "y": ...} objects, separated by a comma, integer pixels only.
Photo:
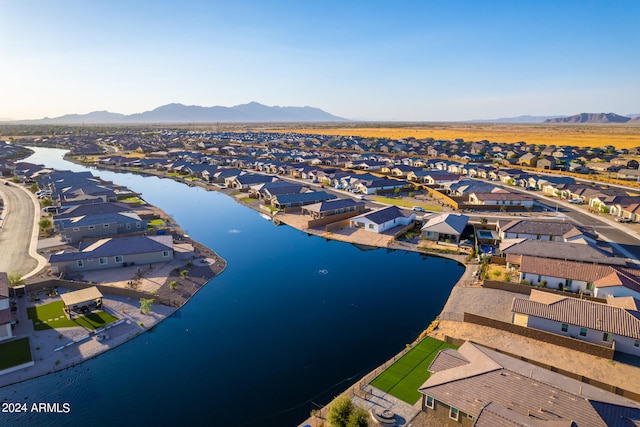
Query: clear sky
[{"x": 376, "y": 60}]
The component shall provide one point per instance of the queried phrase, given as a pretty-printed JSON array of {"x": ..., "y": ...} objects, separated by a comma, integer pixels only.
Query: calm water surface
[{"x": 291, "y": 323}]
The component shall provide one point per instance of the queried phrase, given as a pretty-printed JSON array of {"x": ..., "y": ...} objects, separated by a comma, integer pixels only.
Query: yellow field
[{"x": 620, "y": 136}]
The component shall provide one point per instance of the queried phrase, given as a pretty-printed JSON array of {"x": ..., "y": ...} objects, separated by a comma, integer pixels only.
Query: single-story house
[
  {"x": 544, "y": 230},
  {"x": 594, "y": 322},
  {"x": 383, "y": 219},
  {"x": 283, "y": 201},
  {"x": 443, "y": 227},
  {"x": 475, "y": 386},
  {"x": 114, "y": 252},
  {"x": 100, "y": 225},
  {"x": 500, "y": 198},
  {"x": 371, "y": 186},
  {"x": 333, "y": 207}
]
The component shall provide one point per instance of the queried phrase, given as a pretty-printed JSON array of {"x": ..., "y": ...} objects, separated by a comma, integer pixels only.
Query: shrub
[{"x": 173, "y": 285}]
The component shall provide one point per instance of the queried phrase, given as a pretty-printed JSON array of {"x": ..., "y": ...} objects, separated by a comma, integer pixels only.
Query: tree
[
  {"x": 44, "y": 224},
  {"x": 358, "y": 418},
  {"x": 184, "y": 273},
  {"x": 33, "y": 187},
  {"x": 145, "y": 305},
  {"x": 15, "y": 279},
  {"x": 483, "y": 220},
  {"x": 46, "y": 202},
  {"x": 339, "y": 412}
]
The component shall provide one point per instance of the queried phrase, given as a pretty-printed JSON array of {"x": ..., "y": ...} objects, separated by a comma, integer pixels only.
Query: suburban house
[
  {"x": 441, "y": 178},
  {"x": 544, "y": 230},
  {"x": 380, "y": 185},
  {"x": 608, "y": 325},
  {"x": 444, "y": 227},
  {"x": 244, "y": 181},
  {"x": 383, "y": 219},
  {"x": 333, "y": 207},
  {"x": 579, "y": 251},
  {"x": 267, "y": 190},
  {"x": 100, "y": 225},
  {"x": 5, "y": 309},
  {"x": 500, "y": 198},
  {"x": 113, "y": 253},
  {"x": 570, "y": 275},
  {"x": 283, "y": 201},
  {"x": 547, "y": 162},
  {"x": 619, "y": 283},
  {"x": 528, "y": 159},
  {"x": 475, "y": 386}
]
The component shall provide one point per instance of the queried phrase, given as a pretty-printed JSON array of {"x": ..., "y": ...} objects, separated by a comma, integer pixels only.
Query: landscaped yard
[
  {"x": 406, "y": 203},
  {"x": 132, "y": 199},
  {"x": 51, "y": 316},
  {"x": 14, "y": 353},
  {"x": 403, "y": 378}
]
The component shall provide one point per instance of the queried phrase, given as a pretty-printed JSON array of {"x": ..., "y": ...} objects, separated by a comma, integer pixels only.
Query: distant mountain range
[
  {"x": 578, "y": 118},
  {"x": 591, "y": 118},
  {"x": 179, "y": 113}
]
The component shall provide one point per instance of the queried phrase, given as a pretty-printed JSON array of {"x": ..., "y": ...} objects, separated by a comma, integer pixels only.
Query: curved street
[{"x": 19, "y": 231}]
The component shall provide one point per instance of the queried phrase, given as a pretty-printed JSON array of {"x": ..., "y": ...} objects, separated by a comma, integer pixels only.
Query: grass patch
[
  {"x": 405, "y": 203},
  {"x": 14, "y": 353},
  {"x": 132, "y": 199},
  {"x": 403, "y": 378},
  {"x": 156, "y": 223},
  {"x": 51, "y": 316},
  {"x": 246, "y": 199}
]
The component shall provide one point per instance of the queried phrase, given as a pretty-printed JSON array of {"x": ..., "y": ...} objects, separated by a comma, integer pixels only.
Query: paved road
[{"x": 18, "y": 234}]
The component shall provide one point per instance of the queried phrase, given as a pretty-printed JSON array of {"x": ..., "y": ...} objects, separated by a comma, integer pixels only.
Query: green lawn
[
  {"x": 403, "y": 378},
  {"x": 14, "y": 353},
  {"x": 51, "y": 316},
  {"x": 156, "y": 223},
  {"x": 405, "y": 203},
  {"x": 132, "y": 199}
]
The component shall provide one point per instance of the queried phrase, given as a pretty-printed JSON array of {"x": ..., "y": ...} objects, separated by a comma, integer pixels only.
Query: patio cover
[{"x": 80, "y": 296}]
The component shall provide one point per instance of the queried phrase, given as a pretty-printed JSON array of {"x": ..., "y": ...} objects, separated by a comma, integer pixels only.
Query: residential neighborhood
[{"x": 558, "y": 248}]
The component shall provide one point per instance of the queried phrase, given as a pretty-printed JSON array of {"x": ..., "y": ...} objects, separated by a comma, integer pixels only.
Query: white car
[{"x": 576, "y": 201}]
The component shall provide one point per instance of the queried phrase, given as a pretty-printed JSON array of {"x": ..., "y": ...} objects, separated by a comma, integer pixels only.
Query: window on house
[
  {"x": 91, "y": 227},
  {"x": 76, "y": 228},
  {"x": 103, "y": 260},
  {"x": 583, "y": 332},
  {"x": 128, "y": 226},
  {"x": 454, "y": 413},
  {"x": 606, "y": 337},
  {"x": 430, "y": 402},
  {"x": 590, "y": 286},
  {"x": 565, "y": 327},
  {"x": 165, "y": 253},
  {"x": 636, "y": 343},
  {"x": 105, "y": 225},
  {"x": 79, "y": 263},
  {"x": 118, "y": 258},
  {"x": 371, "y": 226},
  {"x": 137, "y": 225},
  {"x": 539, "y": 278}
]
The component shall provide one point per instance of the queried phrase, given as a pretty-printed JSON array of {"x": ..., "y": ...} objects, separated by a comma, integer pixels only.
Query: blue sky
[{"x": 375, "y": 60}]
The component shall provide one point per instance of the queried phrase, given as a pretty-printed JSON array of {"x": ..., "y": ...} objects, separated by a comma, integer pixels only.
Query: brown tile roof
[
  {"x": 580, "y": 312},
  {"x": 4, "y": 285},
  {"x": 519, "y": 393},
  {"x": 573, "y": 270}
]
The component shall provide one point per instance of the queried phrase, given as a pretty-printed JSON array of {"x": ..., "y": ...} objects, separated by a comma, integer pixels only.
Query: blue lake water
[{"x": 292, "y": 322}]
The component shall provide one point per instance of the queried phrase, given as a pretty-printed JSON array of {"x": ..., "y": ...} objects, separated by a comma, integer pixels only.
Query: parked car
[
  {"x": 418, "y": 209},
  {"x": 577, "y": 201},
  {"x": 624, "y": 220}
]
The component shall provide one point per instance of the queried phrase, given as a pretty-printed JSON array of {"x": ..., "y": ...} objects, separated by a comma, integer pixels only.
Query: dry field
[{"x": 620, "y": 136}]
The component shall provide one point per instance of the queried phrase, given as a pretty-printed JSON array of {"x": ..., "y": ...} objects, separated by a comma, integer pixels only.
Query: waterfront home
[
  {"x": 594, "y": 322},
  {"x": 284, "y": 201},
  {"x": 81, "y": 227},
  {"x": 5, "y": 309},
  {"x": 113, "y": 253},
  {"x": 566, "y": 275},
  {"x": 544, "y": 230},
  {"x": 383, "y": 219},
  {"x": 246, "y": 180},
  {"x": 267, "y": 190},
  {"x": 333, "y": 207},
  {"x": 444, "y": 227},
  {"x": 475, "y": 386}
]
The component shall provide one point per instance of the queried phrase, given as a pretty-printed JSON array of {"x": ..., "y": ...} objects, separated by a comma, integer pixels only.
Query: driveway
[{"x": 19, "y": 233}]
